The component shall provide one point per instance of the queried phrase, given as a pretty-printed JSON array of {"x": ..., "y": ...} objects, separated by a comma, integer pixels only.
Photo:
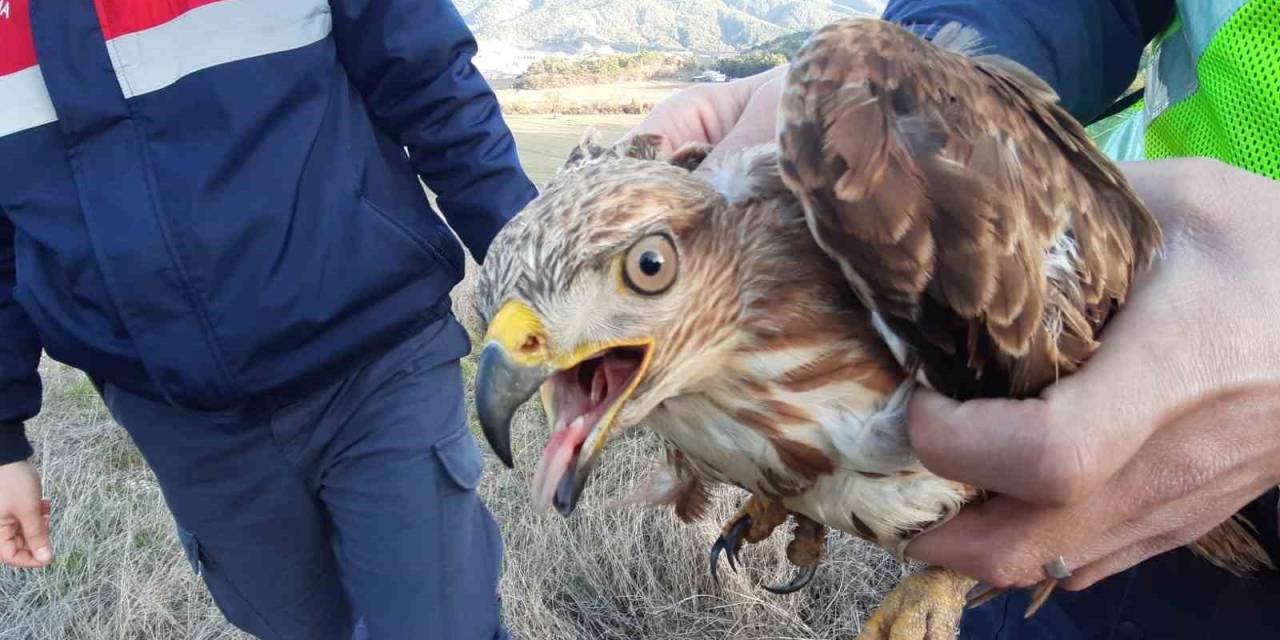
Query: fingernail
[
  {"x": 978, "y": 595},
  {"x": 44, "y": 554}
]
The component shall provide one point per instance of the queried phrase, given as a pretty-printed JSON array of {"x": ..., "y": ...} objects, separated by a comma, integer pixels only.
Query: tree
[{"x": 750, "y": 64}]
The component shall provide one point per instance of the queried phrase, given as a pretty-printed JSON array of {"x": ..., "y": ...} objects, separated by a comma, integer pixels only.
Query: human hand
[
  {"x": 1167, "y": 431},
  {"x": 728, "y": 116},
  {"x": 24, "y": 518}
]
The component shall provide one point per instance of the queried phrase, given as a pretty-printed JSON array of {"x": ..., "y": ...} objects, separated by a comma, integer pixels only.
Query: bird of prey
[{"x": 927, "y": 216}]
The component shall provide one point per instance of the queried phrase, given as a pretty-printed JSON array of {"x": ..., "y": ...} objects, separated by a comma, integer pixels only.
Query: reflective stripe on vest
[{"x": 1213, "y": 89}]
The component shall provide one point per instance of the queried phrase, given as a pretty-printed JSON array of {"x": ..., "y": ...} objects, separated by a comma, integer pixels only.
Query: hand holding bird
[
  {"x": 1169, "y": 429},
  {"x": 1090, "y": 440},
  {"x": 929, "y": 218}
]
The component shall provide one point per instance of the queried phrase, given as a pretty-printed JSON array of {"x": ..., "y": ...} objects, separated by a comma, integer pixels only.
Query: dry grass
[
  {"x": 119, "y": 573},
  {"x": 609, "y": 572}
]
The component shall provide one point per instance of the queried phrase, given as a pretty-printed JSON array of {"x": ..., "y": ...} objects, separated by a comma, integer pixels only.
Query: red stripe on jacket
[
  {"x": 17, "y": 49},
  {"x": 122, "y": 17}
]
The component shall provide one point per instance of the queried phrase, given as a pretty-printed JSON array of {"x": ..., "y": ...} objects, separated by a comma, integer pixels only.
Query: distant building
[{"x": 710, "y": 75}]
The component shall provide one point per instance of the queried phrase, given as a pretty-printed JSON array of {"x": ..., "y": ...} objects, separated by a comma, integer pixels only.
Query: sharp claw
[
  {"x": 714, "y": 559},
  {"x": 797, "y": 583},
  {"x": 734, "y": 542},
  {"x": 729, "y": 546}
]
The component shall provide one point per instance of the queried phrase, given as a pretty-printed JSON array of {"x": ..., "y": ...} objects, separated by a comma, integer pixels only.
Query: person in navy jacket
[{"x": 213, "y": 208}]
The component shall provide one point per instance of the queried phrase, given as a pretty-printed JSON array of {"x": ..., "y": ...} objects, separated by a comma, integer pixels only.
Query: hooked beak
[
  {"x": 501, "y": 387},
  {"x": 582, "y": 391}
]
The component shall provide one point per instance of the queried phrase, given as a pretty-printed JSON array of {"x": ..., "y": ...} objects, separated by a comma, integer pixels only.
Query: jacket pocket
[
  {"x": 418, "y": 239},
  {"x": 461, "y": 459}
]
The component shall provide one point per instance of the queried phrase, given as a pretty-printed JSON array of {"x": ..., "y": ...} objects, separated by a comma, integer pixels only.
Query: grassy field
[
  {"x": 612, "y": 572},
  {"x": 609, "y": 96},
  {"x": 544, "y": 142}
]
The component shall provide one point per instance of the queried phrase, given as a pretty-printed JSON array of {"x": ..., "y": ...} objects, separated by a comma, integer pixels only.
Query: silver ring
[{"x": 1057, "y": 569}]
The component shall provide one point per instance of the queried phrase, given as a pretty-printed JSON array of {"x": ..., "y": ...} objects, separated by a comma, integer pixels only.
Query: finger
[
  {"x": 13, "y": 550},
  {"x": 1174, "y": 525},
  {"x": 1122, "y": 560},
  {"x": 35, "y": 534},
  {"x": 706, "y": 114},
  {"x": 1086, "y": 426},
  {"x": 985, "y": 541},
  {"x": 1005, "y": 542},
  {"x": 10, "y": 540},
  {"x": 1000, "y": 445},
  {"x": 687, "y": 116},
  {"x": 756, "y": 124},
  {"x": 703, "y": 114}
]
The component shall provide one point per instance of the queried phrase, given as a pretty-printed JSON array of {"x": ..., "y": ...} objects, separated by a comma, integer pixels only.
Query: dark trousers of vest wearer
[
  {"x": 1173, "y": 596},
  {"x": 350, "y": 511}
]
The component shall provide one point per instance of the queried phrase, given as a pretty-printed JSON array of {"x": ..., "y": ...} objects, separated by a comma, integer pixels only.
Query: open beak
[{"x": 582, "y": 390}]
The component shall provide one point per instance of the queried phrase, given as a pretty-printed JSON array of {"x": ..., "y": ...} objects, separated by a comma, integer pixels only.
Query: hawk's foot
[
  {"x": 754, "y": 522},
  {"x": 806, "y": 549},
  {"x": 924, "y": 606}
]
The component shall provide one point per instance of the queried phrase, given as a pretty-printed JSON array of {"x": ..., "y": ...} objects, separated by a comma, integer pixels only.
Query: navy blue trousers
[
  {"x": 352, "y": 507},
  {"x": 1173, "y": 596}
]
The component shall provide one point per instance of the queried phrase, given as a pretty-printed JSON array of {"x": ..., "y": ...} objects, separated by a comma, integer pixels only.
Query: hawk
[{"x": 927, "y": 216}]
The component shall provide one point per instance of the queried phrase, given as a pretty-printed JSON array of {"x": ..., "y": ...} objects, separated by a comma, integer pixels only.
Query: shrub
[{"x": 749, "y": 64}]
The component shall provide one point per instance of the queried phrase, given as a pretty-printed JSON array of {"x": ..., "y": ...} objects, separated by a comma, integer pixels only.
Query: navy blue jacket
[
  {"x": 207, "y": 201},
  {"x": 1088, "y": 50}
]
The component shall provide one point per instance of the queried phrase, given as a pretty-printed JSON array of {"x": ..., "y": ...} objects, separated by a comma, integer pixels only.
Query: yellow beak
[{"x": 516, "y": 360}]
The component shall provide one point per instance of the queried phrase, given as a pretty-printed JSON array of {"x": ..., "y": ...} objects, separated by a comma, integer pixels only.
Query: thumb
[
  {"x": 1060, "y": 447},
  {"x": 995, "y": 444},
  {"x": 35, "y": 531}
]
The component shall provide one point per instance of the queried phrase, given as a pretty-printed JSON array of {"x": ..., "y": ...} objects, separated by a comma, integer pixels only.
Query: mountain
[
  {"x": 698, "y": 26},
  {"x": 787, "y": 45}
]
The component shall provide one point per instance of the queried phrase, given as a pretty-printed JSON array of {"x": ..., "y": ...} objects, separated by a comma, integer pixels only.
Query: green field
[
  {"x": 619, "y": 93},
  {"x": 544, "y": 141}
]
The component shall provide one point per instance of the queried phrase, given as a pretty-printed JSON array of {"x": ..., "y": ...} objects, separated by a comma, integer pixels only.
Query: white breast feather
[{"x": 864, "y": 432}]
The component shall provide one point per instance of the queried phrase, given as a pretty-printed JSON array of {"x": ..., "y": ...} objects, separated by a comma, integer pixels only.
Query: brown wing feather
[
  {"x": 1233, "y": 545},
  {"x": 943, "y": 183}
]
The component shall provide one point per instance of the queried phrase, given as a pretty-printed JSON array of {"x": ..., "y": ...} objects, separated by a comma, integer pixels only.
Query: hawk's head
[{"x": 611, "y": 292}]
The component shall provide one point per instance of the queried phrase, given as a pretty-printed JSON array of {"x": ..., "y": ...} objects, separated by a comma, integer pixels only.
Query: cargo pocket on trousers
[
  {"x": 461, "y": 458},
  {"x": 191, "y": 547},
  {"x": 230, "y": 601},
  {"x": 468, "y": 541}
]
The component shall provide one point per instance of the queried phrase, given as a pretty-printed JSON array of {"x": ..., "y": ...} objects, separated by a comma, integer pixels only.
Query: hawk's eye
[{"x": 650, "y": 265}]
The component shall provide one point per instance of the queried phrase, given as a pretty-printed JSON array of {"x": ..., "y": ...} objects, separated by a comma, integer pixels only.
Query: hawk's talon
[
  {"x": 800, "y": 581},
  {"x": 729, "y": 544}
]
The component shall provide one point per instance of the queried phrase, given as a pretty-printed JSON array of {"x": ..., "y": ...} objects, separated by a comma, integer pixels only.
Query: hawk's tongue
[{"x": 561, "y": 451}]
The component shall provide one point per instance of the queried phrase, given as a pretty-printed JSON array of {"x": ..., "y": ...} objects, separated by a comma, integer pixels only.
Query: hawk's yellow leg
[
  {"x": 924, "y": 606},
  {"x": 766, "y": 515}
]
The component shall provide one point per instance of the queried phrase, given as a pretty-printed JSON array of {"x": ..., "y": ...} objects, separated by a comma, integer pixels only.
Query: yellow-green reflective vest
[{"x": 1212, "y": 89}]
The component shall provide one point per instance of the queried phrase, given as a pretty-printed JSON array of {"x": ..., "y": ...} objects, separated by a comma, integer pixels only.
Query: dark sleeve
[
  {"x": 19, "y": 359},
  {"x": 411, "y": 60},
  {"x": 1088, "y": 50}
]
